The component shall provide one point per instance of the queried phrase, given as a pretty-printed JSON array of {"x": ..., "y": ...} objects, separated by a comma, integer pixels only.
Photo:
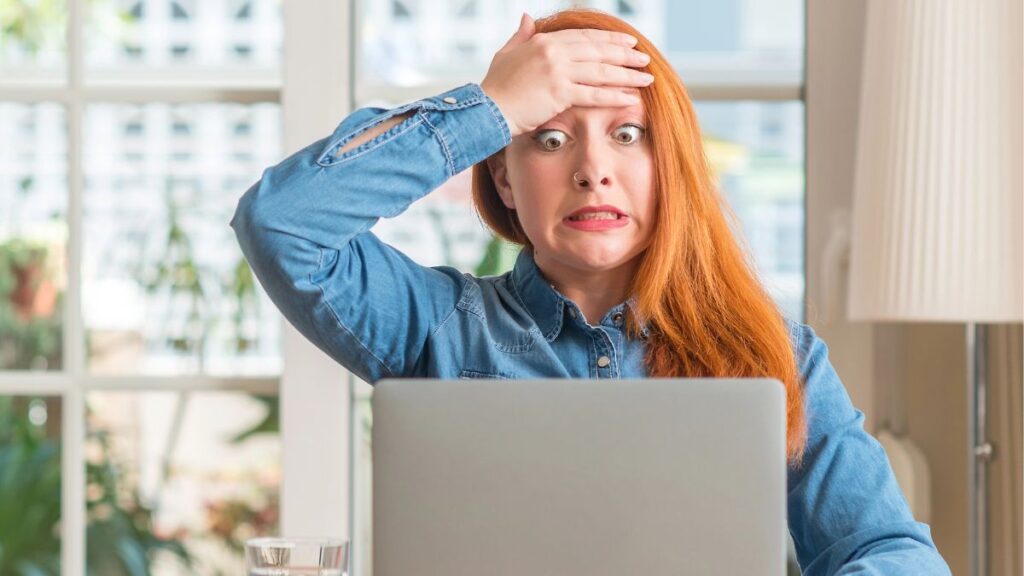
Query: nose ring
[{"x": 577, "y": 179}]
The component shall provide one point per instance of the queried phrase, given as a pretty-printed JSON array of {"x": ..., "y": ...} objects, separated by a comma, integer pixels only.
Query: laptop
[{"x": 579, "y": 477}]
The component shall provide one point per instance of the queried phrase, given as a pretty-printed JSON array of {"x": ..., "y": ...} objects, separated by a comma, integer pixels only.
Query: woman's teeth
[{"x": 595, "y": 216}]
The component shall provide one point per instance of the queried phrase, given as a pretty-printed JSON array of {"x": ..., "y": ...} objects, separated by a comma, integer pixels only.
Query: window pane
[
  {"x": 33, "y": 40},
  {"x": 33, "y": 235},
  {"x": 740, "y": 39},
  {"x": 166, "y": 289},
  {"x": 166, "y": 35},
  {"x": 30, "y": 493},
  {"x": 757, "y": 152},
  {"x": 411, "y": 43},
  {"x": 178, "y": 481}
]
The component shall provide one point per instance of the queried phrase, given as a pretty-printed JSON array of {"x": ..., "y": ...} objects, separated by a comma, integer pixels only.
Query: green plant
[
  {"x": 28, "y": 339},
  {"x": 269, "y": 424},
  {"x": 37, "y": 25},
  {"x": 242, "y": 286},
  {"x": 177, "y": 274},
  {"x": 29, "y": 494},
  {"x": 120, "y": 539},
  {"x": 232, "y": 521},
  {"x": 499, "y": 257}
]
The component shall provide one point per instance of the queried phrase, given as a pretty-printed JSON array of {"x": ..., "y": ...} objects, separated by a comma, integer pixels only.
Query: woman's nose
[
  {"x": 585, "y": 182},
  {"x": 592, "y": 171}
]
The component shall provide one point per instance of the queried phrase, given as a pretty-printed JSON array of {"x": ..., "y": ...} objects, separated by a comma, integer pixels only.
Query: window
[
  {"x": 139, "y": 359},
  {"x": 742, "y": 63}
]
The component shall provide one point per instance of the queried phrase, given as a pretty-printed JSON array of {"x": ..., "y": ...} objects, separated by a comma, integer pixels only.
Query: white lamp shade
[{"x": 937, "y": 217}]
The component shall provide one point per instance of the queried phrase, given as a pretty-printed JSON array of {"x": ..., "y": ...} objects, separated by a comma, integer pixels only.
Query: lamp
[{"x": 936, "y": 234}]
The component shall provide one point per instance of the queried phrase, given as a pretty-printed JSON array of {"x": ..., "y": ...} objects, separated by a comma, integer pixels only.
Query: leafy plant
[
  {"x": 178, "y": 274},
  {"x": 120, "y": 539},
  {"x": 499, "y": 257},
  {"x": 242, "y": 286},
  {"x": 27, "y": 339},
  {"x": 36, "y": 24},
  {"x": 269, "y": 424},
  {"x": 29, "y": 494}
]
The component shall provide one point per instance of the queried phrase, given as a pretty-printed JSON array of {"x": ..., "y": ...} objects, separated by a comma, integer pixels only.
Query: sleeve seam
[
  {"x": 337, "y": 319},
  {"x": 444, "y": 144}
]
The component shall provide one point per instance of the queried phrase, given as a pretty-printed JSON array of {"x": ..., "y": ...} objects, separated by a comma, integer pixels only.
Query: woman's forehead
[{"x": 581, "y": 113}]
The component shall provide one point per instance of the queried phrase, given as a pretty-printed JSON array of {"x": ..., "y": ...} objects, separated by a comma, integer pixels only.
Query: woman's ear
[{"x": 499, "y": 174}]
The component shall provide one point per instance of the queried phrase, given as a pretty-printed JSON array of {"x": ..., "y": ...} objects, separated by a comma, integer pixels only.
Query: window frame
[{"x": 72, "y": 383}]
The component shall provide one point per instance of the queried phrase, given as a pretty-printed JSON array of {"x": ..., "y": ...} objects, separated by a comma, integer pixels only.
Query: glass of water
[{"x": 296, "y": 557}]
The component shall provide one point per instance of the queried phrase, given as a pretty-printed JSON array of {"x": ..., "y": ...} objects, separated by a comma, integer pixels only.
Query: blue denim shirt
[{"x": 305, "y": 230}]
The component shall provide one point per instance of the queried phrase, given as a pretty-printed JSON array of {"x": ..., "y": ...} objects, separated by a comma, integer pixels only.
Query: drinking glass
[{"x": 296, "y": 557}]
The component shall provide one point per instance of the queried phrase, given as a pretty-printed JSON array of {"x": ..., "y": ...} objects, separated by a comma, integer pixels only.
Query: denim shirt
[{"x": 305, "y": 229}]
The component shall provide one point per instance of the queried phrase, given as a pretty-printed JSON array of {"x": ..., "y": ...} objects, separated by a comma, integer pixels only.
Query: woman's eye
[
  {"x": 628, "y": 133},
  {"x": 550, "y": 139}
]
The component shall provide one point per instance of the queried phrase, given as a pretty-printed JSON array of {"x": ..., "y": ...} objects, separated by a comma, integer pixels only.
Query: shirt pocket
[{"x": 476, "y": 374}]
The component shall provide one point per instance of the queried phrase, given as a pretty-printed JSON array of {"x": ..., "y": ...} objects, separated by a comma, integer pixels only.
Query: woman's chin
[{"x": 599, "y": 260}]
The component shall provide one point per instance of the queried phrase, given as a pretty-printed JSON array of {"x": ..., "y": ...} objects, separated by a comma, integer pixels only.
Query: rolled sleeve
[{"x": 304, "y": 228}]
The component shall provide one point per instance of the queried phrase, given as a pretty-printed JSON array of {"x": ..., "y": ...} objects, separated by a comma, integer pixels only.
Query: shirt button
[
  {"x": 572, "y": 312},
  {"x": 617, "y": 319},
  {"x": 450, "y": 100},
  {"x": 603, "y": 361}
]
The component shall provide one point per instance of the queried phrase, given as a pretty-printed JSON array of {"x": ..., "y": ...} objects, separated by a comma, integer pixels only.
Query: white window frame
[{"x": 314, "y": 391}]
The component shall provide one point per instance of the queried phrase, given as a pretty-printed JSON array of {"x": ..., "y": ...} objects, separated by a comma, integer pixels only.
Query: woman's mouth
[
  {"x": 596, "y": 219},
  {"x": 596, "y": 216}
]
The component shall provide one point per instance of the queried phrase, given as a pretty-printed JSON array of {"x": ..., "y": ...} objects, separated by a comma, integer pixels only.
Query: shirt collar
[
  {"x": 544, "y": 303},
  {"x": 540, "y": 299}
]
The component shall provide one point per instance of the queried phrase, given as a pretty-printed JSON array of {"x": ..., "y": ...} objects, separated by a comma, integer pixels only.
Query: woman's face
[{"x": 611, "y": 153}]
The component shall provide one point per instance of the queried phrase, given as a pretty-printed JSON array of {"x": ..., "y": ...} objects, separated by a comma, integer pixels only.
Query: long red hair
[{"x": 707, "y": 312}]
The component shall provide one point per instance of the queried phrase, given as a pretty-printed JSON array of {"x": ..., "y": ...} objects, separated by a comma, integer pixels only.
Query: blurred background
[{"x": 155, "y": 410}]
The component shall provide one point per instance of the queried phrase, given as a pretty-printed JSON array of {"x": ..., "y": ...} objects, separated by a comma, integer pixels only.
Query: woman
[{"x": 628, "y": 269}]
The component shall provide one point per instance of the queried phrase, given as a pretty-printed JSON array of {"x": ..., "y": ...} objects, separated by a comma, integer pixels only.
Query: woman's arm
[
  {"x": 847, "y": 514},
  {"x": 304, "y": 227}
]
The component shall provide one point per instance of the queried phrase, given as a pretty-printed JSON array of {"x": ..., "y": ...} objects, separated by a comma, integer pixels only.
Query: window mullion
[
  {"x": 193, "y": 383},
  {"x": 73, "y": 425},
  {"x": 315, "y": 402}
]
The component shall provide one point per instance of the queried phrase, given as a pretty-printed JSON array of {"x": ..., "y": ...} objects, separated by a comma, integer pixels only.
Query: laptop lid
[{"x": 579, "y": 477}]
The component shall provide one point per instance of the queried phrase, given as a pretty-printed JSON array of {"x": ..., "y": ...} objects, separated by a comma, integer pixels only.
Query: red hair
[{"x": 707, "y": 312}]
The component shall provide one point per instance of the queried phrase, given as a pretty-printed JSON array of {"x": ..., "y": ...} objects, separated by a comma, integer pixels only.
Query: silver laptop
[{"x": 579, "y": 477}]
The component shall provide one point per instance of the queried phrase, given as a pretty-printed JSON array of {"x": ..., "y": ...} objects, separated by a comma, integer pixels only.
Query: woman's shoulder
[
  {"x": 489, "y": 293},
  {"x": 808, "y": 347}
]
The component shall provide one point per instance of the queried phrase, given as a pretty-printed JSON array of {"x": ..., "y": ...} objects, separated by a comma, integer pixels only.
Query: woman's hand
[{"x": 534, "y": 77}]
